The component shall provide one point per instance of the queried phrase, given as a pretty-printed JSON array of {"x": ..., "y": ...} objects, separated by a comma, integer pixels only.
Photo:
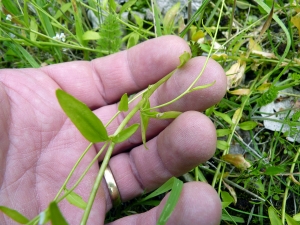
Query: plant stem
[
  {"x": 288, "y": 186},
  {"x": 72, "y": 171}
]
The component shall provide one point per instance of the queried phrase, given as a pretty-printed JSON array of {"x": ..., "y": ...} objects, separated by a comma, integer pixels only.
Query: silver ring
[{"x": 112, "y": 187}]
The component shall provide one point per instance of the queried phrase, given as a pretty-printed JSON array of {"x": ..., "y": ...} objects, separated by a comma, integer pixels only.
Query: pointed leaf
[
  {"x": 290, "y": 220},
  {"x": 274, "y": 170},
  {"x": 89, "y": 125},
  {"x": 15, "y": 215},
  {"x": 222, "y": 145},
  {"x": 183, "y": 59},
  {"x": 223, "y": 132},
  {"x": 274, "y": 219},
  {"x": 126, "y": 133},
  {"x": 202, "y": 86},
  {"x": 171, "y": 202},
  {"x": 248, "y": 125},
  {"x": 168, "y": 115},
  {"x": 162, "y": 189},
  {"x": 144, "y": 126},
  {"x": 223, "y": 116},
  {"x": 75, "y": 199},
  {"x": 169, "y": 18},
  {"x": 123, "y": 105},
  {"x": 56, "y": 216}
]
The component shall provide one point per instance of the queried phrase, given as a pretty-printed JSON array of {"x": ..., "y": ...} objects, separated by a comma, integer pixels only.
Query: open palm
[{"x": 39, "y": 145}]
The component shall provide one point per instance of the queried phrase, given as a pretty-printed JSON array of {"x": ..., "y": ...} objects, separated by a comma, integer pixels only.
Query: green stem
[
  {"x": 288, "y": 186},
  {"x": 84, "y": 173},
  {"x": 105, "y": 163},
  {"x": 202, "y": 70},
  {"x": 72, "y": 171}
]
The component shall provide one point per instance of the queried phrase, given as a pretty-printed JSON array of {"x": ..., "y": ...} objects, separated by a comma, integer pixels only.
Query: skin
[{"x": 39, "y": 145}]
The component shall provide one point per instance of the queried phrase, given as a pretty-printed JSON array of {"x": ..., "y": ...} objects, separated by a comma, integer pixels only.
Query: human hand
[{"x": 39, "y": 145}]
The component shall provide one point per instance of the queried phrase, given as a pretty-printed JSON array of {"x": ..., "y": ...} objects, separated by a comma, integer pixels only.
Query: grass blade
[{"x": 171, "y": 202}]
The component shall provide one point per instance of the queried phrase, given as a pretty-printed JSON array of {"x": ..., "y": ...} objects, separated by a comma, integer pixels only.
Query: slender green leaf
[
  {"x": 235, "y": 219},
  {"x": 34, "y": 27},
  {"x": 63, "y": 9},
  {"x": 15, "y": 215},
  {"x": 123, "y": 105},
  {"x": 183, "y": 59},
  {"x": 168, "y": 21},
  {"x": 157, "y": 22},
  {"x": 75, "y": 199},
  {"x": 202, "y": 86},
  {"x": 248, "y": 125},
  {"x": 56, "y": 216},
  {"x": 126, "y": 6},
  {"x": 195, "y": 17},
  {"x": 162, "y": 189},
  {"x": 144, "y": 126},
  {"x": 223, "y": 116},
  {"x": 171, "y": 202},
  {"x": 168, "y": 115},
  {"x": 89, "y": 125},
  {"x": 274, "y": 218},
  {"x": 126, "y": 133}
]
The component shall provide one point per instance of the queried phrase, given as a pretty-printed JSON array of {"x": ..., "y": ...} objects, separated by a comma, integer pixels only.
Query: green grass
[{"x": 264, "y": 186}]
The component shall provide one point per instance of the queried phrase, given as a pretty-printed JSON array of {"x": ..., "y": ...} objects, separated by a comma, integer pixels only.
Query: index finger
[{"x": 104, "y": 80}]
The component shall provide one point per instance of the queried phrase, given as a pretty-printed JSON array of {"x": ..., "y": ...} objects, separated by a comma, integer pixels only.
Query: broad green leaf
[
  {"x": 274, "y": 218},
  {"x": 183, "y": 59},
  {"x": 223, "y": 145},
  {"x": 248, "y": 125},
  {"x": 273, "y": 170},
  {"x": 171, "y": 202},
  {"x": 168, "y": 21},
  {"x": 126, "y": 133},
  {"x": 90, "y": 35},
  {"x": 55, "y": 215},
  {"x": 123, "y": 105},
  {"x": 162, "y": 189},
  {"x": 223, "y": 132},
  {"x": 227, "y": 199},
  {"x": 290, "y": 220},
  {"x": 15, "y": 215},
  {"x": 89, "y": 125},
  {"x": 34, "y": 27},
  {"x": 297, "y": 217},
  {"x": 75, "y": 199},
  {"x": 133, "y": 40},
  {"x": 168, "y": 115},
  {"x": 223, "y": 116},
  {"x": 139, "y": 21}
]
